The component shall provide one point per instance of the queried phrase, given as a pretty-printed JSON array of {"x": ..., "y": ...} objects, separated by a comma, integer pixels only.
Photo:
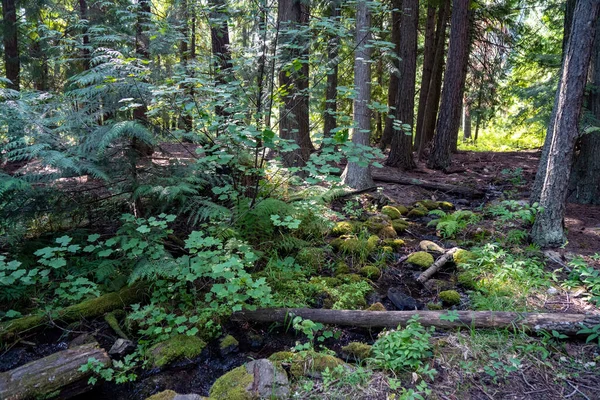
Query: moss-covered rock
[
  {"x": 421, "y": 259},
  {"x": 429, "y": 246},
  {"x": 228, "y": 344},
  {"x": 417, "y": 212},
  {"x": 370, "y": 271},
  {"x": 450, "y": 297},
  {"x": 164, "y": 395},
  {"x": 434, "y": 306},
  {"x": 445, "y": 205},
  {"x": 395, "y": 244},
  {"x": 233, "y": 386},
  {"x": 403, "y": 209},
  {"x": 176, "y": 348},
  {"x": 387, "y": 250},
  {"x": 358, "y": 351},
  {"x": 462, "y": 257},
  {"x": 341, "y": 267},
  {"x": 376, "y": 223},
  {"x": 376, "y": 307},
  {"x": 399, "y": 225},
  {"x": 387, "y": 232},
  {"x": 428, "y": 204},
  {"x": 372, "y": 243},
  {"x": 391, "y": 212},
  {"x": 342, "y": 228},
  {"x": 313, "y": 257}
]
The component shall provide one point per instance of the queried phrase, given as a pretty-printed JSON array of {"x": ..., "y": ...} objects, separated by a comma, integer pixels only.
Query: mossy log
[
  {"x": 568, "y": 324},
  {"x": 87, "y": 309},
  {"x": 442, "y": 187},
  {"x": 439, "y": 263},
  {"x": 57, "y": 375}
]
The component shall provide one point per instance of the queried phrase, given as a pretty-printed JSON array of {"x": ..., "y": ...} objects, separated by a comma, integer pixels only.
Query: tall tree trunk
[
  {"x": 388, "y": 131},
  {"x": 12, "y": 62},
  {"x": 584, "y": 187},
  {"x": 294, "y": 122},
  {"x": 186, "y": 120},
  {"x": 333, "y": 43},
  {"x": 454, "y": 83},
  {"x": 428, "y": 55},
  {"x": 548, "y": 227},
  {"x": 401, "y": 150},
  {"x": 85, "y": 40},
  {"x": 219, "y": 35},
  {"x": 466, "y": 121},
  {"x": 536, "y": 188},
  {"x": 435, "y": 87},
  {"x": 355, "y": 175}
]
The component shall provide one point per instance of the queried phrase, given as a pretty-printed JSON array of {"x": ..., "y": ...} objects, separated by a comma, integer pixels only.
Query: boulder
[{"x": 257, "y": 379}]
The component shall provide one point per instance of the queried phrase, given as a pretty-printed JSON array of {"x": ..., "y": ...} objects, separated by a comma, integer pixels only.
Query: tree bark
[
  {"x": 548, "y": 227},
  {"x": 428, "y": 55},
  {"x": 454, "y": 84},
  {"x": 388, "y": 131},
  {"x": 466, "y": 120},
  {"x": 57, "y": 375},
  {"x": 12, "y": 62},
  {"x": 293, "y": 115},
  {"x": 333, "y": 44},
  {"x": 568, "y": 324},
  {"x": 435, "y": 87},
  {"x": 584, "y": 187},
  {"x": 355, "y": 175},
  {"x": 401, "y": 149}
]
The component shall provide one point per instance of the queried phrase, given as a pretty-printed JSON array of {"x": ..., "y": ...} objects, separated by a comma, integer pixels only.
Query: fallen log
[
  {"x": 443, "y": 187},
  {"x": 568, "y": 324},
  {"x": 87, "y": 309},
  {"x": 439, "y": 263},
  {"x": 57, "y": 375}
]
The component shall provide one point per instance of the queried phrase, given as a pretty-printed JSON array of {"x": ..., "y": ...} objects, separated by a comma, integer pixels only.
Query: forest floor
[{"x": 470, "y": 364}]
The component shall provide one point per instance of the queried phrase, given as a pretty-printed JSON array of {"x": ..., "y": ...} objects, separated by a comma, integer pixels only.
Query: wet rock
[
  {"x": 84, "y": 338},
  {"x": 228, "y": 344},
  {"x": 257, "y": 379},
  {"x": 401, "y": 300},
  {"x": 121, "y": 347}
]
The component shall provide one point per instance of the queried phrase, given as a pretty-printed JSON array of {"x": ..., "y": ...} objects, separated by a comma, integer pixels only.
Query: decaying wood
[
  {"x": 568, "y": 324},
  {"x": 88, "y": 309},
  {"x": 439, "y": 263},
  {"x": 443, "y": 187},
  {"x": 57, "y": 375}
]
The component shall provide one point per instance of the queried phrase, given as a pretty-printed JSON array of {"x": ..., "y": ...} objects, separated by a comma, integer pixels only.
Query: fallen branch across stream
[
  {"x": 439, "y": 263},
  {"x": 568, "y": 324},
  {"x": 443, "y": 187}
]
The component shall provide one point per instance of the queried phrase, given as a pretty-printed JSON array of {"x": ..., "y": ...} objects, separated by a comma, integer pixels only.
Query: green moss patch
[
  {"x": 342, "y": 228},
  {"x": 313, "y": 257},
  {"x": 358, "y": 351},
  {"x": 376, "y": 307},
  {"x": 387, "y": 232},
  {"x": 232, "y": 385},
  {"x": 391, "y": 212},
  {"x": 311, "y": 363},
  {"x": 399, "y": 225},
  {"x": 417, "y": 212},
  {"x": 450, "y": 297},
  {"x": 370, "y": 271},
  {"x": 428, "y": 204},
  {"x": 176, "y": 348},
  {"x": 164, "y": 395},
  {"x": 445, "y": 205},
  {"x": 428, "y": 245},
  {"x": 376, "y": 223},
  {"x": 421, "y": 259},
  {"x": 395, "y": 244}
]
